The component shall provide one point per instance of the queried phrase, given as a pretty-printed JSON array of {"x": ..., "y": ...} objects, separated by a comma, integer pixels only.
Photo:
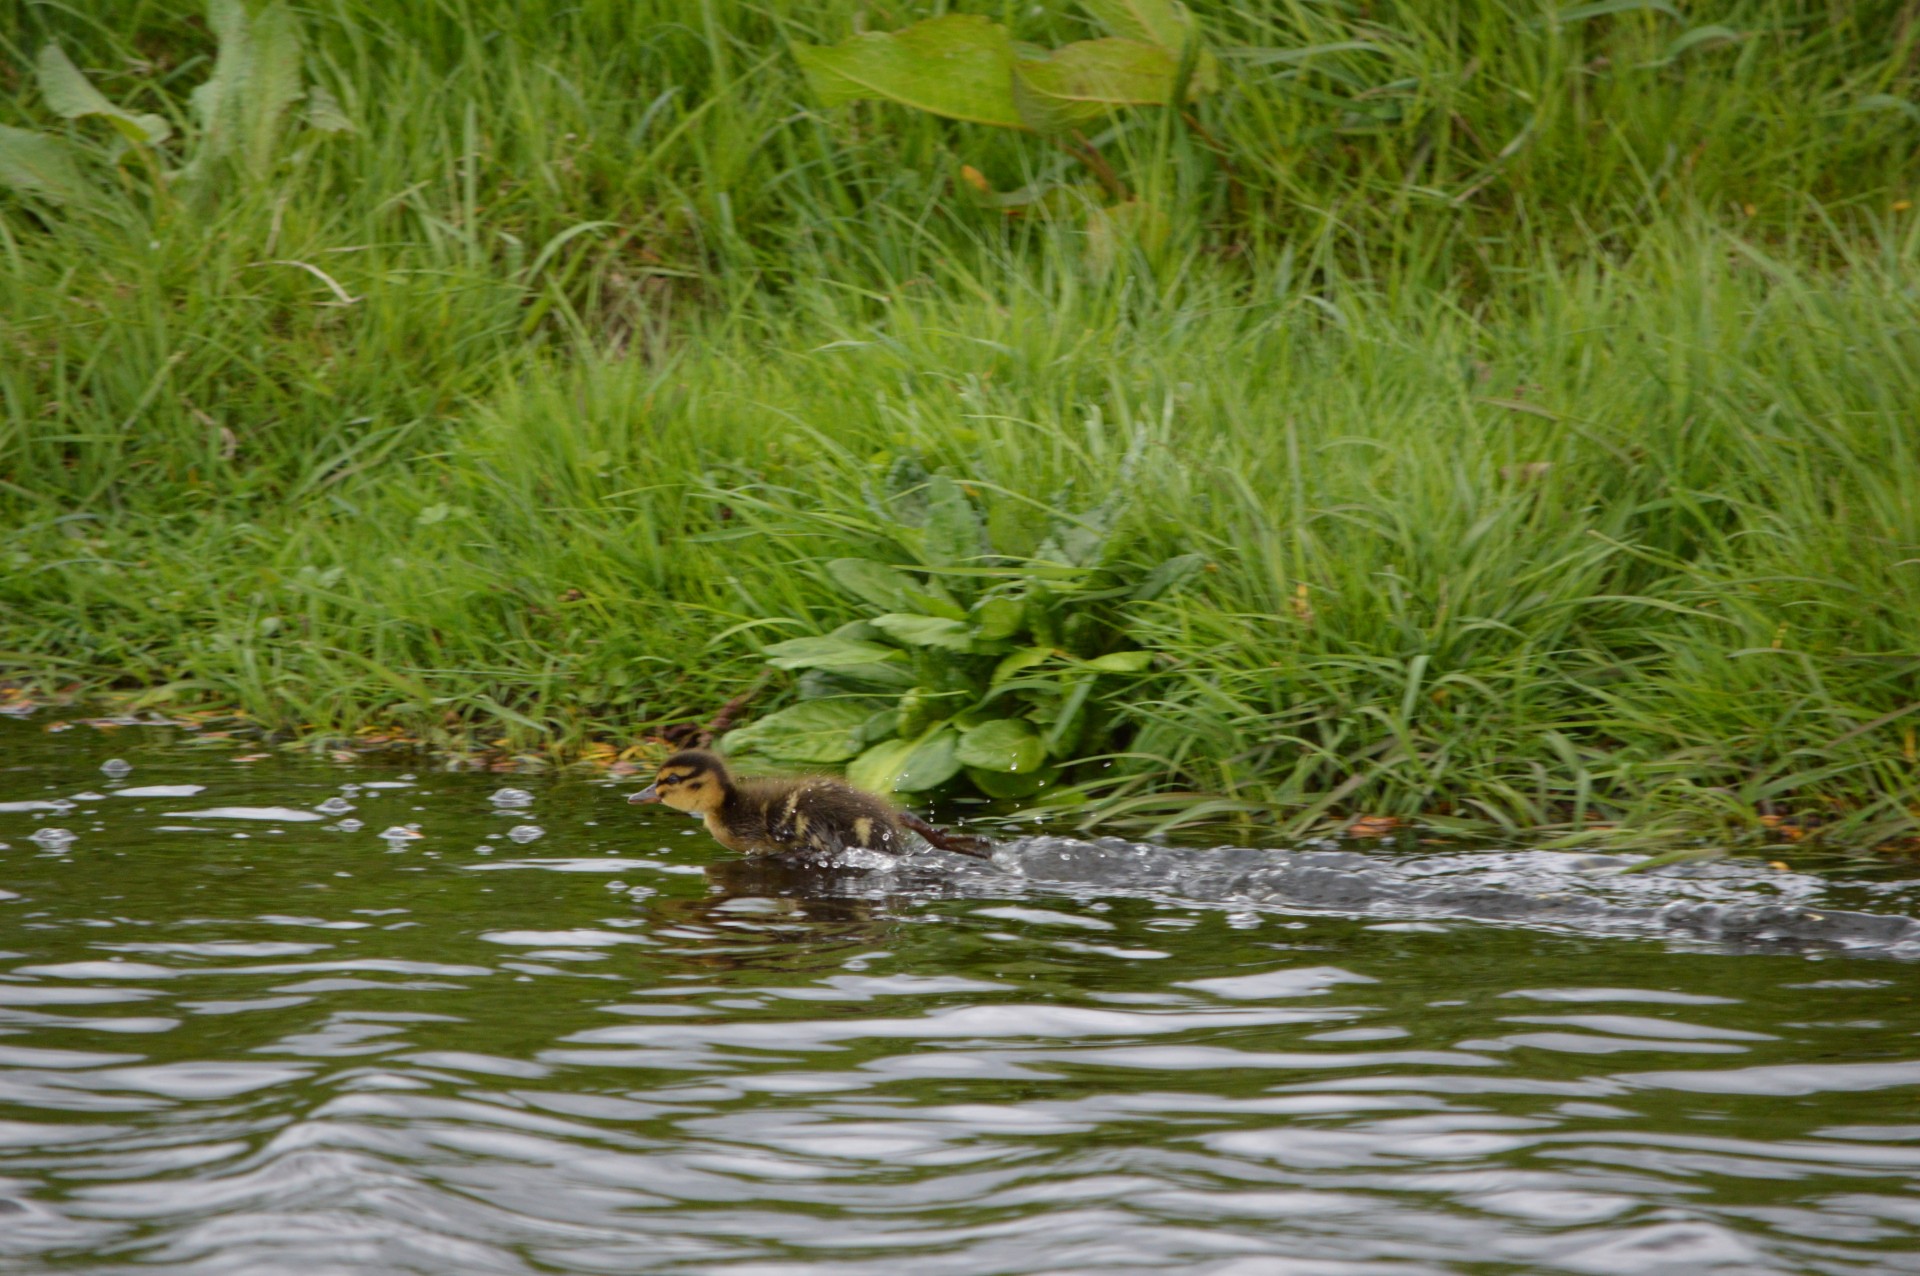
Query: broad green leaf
[
  {"x": 811, "y": 731},
  {"x": 1002, "y": 745},
  {"x": 1064, "y": 735},
  {"x": 927, "y": 631},
  {"x": 878, "y": 769},
  {"x": 872, "y": 582},
  {"x": 255, "y": 80},
  {"x": 69, "y": 93},
  {"x": 1162, "y": 22},
  {"x": 1010, "y": 784},
  {"x": 1165, "y": 23},
  {"x": 1014, "y": 528},
  {"x": 920, "y": 709},
  {"x": 893, "y": 676},
  {"x": 953, "y": 528},
  {"x": 906, "y": 491},
  {"x": 273, "y": 85},
  {"x": 1048, "y": 689},
  {"x": 930, "y": 764},
  {"x": 1121, "y": 662},
  {"x": 1025, "y": 658},
  {"x": 855, "y": 631},
  {"x": 959, "y": 66},
  {"x": 43, "y": 165},
  {"x": 141, "y": 130},
  {"x": 215, "y": 102},
  {"x": 1079, "y": 84},
  {"x": 882, "y": 724},
  {"x": 324, "y": 113},
  {"x": 1082, "y": 540},
  {"x": 846, "y": 680},
  {"x": 72, "y": 96},
  {"x": 1168, "y": 576},
  {"x": 936, "y": 601},
  {"x": 999, "y": 618},
  {"x": 826, "y": 653}
]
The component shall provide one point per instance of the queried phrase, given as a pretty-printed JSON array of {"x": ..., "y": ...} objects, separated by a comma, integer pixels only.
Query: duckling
[{"x": 769, "y": 816}]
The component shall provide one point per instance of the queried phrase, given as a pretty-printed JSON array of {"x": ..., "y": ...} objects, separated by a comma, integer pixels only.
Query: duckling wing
[
  {"x": 872, "y": 831},
  {"x": 826, "y": 816},
  {"x": 793, "y": 816}
]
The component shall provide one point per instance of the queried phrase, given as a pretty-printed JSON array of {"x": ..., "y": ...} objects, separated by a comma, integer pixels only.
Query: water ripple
[{"x": 1086, "y": 1057}]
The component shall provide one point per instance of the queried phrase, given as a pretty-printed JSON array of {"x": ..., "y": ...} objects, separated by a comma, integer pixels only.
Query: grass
[{"x": 1541, "y": 391}]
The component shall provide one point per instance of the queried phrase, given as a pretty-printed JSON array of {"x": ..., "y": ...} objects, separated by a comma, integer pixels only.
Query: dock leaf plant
[
  {"x": 970, "y": 664},
  {"x": 965, "y": 67},
  {"x": 239, "y": 112}
]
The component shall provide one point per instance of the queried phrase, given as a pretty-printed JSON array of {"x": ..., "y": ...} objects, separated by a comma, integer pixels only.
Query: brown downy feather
[{"x": 773, "y": 816}]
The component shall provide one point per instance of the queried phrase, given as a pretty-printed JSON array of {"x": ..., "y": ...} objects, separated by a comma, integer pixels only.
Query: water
[{"x": 241, "y": 1030}]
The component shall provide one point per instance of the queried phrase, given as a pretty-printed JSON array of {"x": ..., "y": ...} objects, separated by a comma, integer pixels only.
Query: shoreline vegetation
[{"x": 1519, "y": 404}]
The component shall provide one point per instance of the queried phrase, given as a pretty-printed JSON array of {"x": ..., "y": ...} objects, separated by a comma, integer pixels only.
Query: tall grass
[{"x": 1541, "y": 389}]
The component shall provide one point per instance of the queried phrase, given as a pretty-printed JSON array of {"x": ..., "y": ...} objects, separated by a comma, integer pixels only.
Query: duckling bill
[{"x": 776, "y": 816}]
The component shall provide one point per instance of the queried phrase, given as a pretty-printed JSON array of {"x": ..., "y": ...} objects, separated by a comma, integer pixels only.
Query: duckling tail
[{"x": 958, "y": 843}]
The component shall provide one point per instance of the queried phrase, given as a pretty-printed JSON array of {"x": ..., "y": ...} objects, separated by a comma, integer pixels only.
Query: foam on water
[{"x": 1735, "y": 901}]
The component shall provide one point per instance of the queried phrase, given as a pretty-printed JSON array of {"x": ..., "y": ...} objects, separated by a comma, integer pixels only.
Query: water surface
[{"x": 241, "y": 1031}]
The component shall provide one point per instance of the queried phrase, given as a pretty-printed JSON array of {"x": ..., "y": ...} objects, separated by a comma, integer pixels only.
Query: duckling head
[{"x": 692, "y": 780}]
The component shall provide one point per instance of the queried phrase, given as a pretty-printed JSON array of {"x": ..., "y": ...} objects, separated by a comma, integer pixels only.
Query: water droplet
[
  {"x": 52, "y": 839},
  {"x": 114, "y": 768},
  {"x": 89, "y": 797},
  {"x": 511, "y": 798},
  {"x": 349, "y": 826},
  {"x": 398, "y": 834},
  {"x": 526, "y": 832},
  {"x": 334, "y": 806}
]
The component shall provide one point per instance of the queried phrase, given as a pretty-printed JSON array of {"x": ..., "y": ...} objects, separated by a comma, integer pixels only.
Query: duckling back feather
[{"x": 817, "y": 814}]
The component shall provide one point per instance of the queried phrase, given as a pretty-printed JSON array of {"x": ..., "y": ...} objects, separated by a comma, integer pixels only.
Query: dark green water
[{"x": 262, "y": 1045}]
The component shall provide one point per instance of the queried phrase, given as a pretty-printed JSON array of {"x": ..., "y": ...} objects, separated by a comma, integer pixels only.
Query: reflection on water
[{"x": 313, "y": 1018}]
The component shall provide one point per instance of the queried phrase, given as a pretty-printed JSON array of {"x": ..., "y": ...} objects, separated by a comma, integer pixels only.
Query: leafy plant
[
  {"x": 966, "y": 67},
  {"x": 240, "y": 113},
  {"x": 994, "y": 666}
]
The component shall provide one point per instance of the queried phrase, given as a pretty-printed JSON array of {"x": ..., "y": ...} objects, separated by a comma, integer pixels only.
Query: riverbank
[{"x": 1568, "y": 485}]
